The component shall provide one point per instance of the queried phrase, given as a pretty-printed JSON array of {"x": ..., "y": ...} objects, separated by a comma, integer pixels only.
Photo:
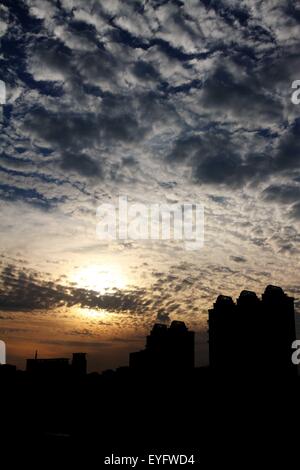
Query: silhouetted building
[
  {"x": 279, "y": 310},
  {"x": 58, "y": 366},
  {"x": 252, "y": 336},
  {"x": 166, "y": 348},
  {"x": 79, "y": 363},
  {"x": 222, "y": 330},
  {"x": 53, "y": 366}
]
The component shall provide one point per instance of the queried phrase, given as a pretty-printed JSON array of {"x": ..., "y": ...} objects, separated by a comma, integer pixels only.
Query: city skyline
[{"x": 250, "y": 336}]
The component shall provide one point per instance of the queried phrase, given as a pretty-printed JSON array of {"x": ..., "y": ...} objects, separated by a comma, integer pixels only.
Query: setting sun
[{"x": 99, "y": 278}]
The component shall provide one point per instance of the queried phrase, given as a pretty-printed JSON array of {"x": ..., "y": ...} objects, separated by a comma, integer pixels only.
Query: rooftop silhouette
[
  {"x": 166, "y": 348},
  {"x": 253, "y": 336}
]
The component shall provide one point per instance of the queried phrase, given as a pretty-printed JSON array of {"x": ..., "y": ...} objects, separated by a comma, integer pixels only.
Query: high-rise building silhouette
[
  {"x": 167, "y": 348},
  {"x": 279, "y": 310},
  {"x": 253, "y": 336}
]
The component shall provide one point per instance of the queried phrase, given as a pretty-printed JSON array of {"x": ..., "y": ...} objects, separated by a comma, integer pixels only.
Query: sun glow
[{"x": 99, "y": 278}]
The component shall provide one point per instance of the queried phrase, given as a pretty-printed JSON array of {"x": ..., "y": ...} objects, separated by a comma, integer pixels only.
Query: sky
[{"x": 161, "y": 102}]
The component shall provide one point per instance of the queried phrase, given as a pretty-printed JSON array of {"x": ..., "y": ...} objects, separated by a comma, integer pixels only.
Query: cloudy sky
[{"x": 161, "y": 101}]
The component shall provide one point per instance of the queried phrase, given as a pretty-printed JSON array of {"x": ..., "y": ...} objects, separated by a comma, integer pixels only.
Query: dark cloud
[
  {"x": 238, "y": 259},
  {"x": 49, "y": 57},
  {"x": 242, "y": 96},
  {"x": 216, "y": 158},
  {"x": 81, "y": 139},
  {"x": 280, "y": 70},
  {"x": 285, "y": 193},
  {"x": 288, "y": 154},
  {"x": 96, "y": 66},
  {"x": 145, "y": 71},
  {"x": 82, "y": 164}
]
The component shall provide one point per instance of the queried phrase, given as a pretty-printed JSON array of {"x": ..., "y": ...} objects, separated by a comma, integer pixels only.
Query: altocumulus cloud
[
  {"x": 106, "y": 96},
  {"x": 92, "y": 82}
]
